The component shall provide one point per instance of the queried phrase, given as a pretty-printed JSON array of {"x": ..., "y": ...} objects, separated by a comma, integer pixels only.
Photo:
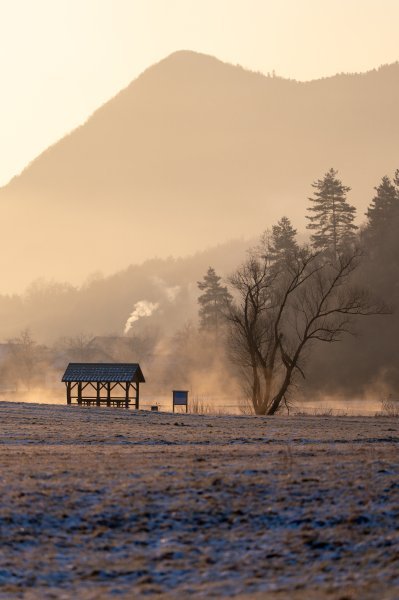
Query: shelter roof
[{"x": 103, "y": 372}]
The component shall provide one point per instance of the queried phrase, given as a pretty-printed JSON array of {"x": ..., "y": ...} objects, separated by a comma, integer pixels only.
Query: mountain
[{"x": 192, "y": 153}]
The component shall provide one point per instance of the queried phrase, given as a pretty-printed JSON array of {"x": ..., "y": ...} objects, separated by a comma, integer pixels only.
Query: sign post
[{"x": 180, "y": 398}]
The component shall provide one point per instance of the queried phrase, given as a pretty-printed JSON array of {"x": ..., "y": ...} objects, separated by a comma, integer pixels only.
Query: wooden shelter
[{"x": 112, "y": 384}]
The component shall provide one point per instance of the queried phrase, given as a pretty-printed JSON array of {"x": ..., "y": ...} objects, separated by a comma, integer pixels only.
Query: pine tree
[
  {"x": 212, "y": 301},
  {"x": 332, "y": 216},
  {"x": 384, "y": 206},
  {"x": 282, "y": 244}
]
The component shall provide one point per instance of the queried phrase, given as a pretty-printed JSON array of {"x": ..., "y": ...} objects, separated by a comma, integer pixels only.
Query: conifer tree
[
  {"x": 332, "y": 216},
  {"x": 212, "y": 301},
  {"x": 282, "y": 244},
  {"x": 384, "y": 206}
]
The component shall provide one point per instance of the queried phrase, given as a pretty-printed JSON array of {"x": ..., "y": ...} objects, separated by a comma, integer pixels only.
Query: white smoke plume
[
  {"x": 142, "y": 308},
  {"x": 171, "y": 292}
]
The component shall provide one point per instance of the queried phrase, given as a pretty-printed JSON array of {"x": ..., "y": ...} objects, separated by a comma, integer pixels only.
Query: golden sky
[{"x": 61, "y": 59}]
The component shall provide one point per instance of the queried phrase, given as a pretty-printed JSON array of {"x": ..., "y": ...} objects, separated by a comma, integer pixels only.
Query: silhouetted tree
[
  {"x": 380, "y": 239},
  {"x": 281, "y": 243},
  {"x": 278, "y": 315},
  {"x": 212, "y": 301},
  {"x": 24, "y": 359},
  {"x": 384, "y": 207},
  {"x": 361, "y": 365},
  {"x": 78, "y": 347},
  {"x": 332, "y": 216}
]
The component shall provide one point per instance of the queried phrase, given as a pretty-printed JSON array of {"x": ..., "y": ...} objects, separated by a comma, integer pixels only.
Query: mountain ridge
[
  {"x": 192, "y": 152},
  {"x": 344, "y": 74}
]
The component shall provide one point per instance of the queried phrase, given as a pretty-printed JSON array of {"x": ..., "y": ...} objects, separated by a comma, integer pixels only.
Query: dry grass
[
  {"x": 203, "y": 405},
  {"x": 245, "y": 407},
  {"x": 389, "y": 407}
]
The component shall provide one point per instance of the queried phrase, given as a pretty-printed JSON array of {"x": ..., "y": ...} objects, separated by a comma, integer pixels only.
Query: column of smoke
[
  {"x": 171, "y": 292},
  {"x": 142, "y": 308},
  {"x": 212, "y": 391}
]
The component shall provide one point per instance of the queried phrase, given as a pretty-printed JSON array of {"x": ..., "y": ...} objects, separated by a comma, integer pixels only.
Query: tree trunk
[{"x": 278, "y": 398}]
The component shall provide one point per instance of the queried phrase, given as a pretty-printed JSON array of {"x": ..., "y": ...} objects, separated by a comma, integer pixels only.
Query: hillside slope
[
  {"x": 102, "y": 305},
  {"x": 192, "y": 153}
]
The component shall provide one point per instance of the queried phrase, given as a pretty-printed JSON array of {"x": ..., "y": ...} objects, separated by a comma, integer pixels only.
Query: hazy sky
[{"x": 61, "y": 59}]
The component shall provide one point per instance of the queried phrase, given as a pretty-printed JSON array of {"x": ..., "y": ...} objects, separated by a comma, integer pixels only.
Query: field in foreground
[{"x": 101, "y": 503}]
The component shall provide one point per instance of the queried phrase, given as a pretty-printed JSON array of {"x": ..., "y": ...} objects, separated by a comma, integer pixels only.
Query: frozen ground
[{"x": 107, "y": 503}]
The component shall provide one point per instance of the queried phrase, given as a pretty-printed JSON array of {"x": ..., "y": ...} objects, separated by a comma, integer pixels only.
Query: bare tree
[
  {"x": 76, "y": 347},
  {"x": 276, "y": 317},
  {"x": 24, "y": 358}
]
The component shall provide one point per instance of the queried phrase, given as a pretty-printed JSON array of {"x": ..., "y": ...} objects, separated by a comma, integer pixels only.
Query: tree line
[
  {"x": 263, "y": 324},
  {"x": 287, "y": 298}
]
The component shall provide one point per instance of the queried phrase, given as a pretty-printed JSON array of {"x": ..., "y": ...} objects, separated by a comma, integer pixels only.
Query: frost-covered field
[{"x": 103, "y": 503}]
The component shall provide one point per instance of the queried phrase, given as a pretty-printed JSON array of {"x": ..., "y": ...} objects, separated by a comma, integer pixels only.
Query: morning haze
[
  {"x": 192, "y": 153},
  {"x": 199, "y": 376}
]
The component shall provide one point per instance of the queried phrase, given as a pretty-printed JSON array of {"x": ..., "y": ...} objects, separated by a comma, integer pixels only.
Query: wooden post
[
  {"x": 68, "y": 391},
  {"x": 98, "y": 394},
  {"x": 137, "y": 395},
  {"x": 80, "y": 392},
  {"x": 108, "y": 394},
  {"x": 127, "y": 394}
]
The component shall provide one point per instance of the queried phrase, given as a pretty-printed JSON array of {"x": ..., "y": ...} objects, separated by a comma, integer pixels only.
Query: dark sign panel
[{"x": 180, "y": 398}]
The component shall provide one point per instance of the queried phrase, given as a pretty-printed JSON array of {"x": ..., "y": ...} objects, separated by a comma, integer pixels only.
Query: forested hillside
[
  {"x": 102, "y": 305},
  {"x": 163, "y": 311}
]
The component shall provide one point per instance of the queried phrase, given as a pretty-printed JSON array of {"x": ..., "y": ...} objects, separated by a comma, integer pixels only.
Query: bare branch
[{"x": 279, "y": 312}]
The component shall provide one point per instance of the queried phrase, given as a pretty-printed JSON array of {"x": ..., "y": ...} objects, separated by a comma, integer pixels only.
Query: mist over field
[
  {"x": 199, "y": 300},
  {"x": 183, "y": 170}
]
